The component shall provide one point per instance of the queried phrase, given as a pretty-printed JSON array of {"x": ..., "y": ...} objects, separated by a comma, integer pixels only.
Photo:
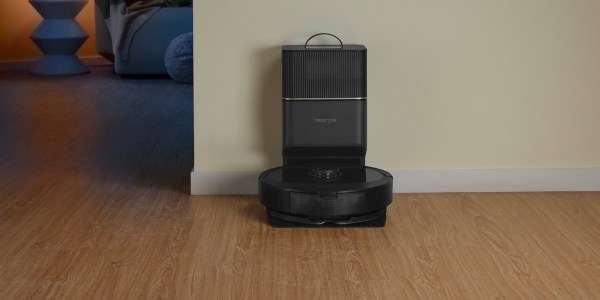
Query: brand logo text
[{"x": 324, "y": 120}]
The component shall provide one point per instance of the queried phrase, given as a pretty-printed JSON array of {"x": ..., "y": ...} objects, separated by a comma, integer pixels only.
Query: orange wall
[{"x": 18, "y": 19}]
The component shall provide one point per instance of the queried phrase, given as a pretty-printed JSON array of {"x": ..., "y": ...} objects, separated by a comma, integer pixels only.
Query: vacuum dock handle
[{"x": 306, "y": 45}]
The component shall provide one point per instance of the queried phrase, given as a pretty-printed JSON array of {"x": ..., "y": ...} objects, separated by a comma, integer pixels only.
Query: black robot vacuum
[{"x": 324, "y": 181}]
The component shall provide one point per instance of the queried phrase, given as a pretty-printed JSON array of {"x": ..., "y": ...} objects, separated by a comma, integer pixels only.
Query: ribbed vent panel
[{"x": 324, "y": 73}]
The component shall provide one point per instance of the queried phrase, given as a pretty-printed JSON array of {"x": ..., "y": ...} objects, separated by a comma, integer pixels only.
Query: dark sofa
[{"x": 148, "y": 44}]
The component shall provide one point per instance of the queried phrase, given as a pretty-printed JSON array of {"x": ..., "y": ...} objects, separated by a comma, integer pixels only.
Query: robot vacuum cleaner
[{"x": 324, "y": 181}]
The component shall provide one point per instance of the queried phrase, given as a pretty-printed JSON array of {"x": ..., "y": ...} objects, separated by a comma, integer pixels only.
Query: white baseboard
[
  {"x": 224, "y": 183},
  {"x": 28, "y": 64},
  {"x": 434, "y": 181}
]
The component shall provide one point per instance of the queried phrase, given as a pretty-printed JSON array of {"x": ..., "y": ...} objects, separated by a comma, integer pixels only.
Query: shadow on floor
[{"x": 146, "y": 134}]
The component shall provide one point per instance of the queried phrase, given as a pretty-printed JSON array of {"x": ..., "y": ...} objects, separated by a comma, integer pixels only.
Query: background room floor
[{"x": 94, "y": 180}]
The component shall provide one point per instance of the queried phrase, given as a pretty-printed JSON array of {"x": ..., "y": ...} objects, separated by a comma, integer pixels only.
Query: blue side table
[{"x": 59, "y": 37}]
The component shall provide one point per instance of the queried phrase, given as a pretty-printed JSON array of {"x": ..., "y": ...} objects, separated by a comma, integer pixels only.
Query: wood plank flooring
[{"x": 94, "y": 174}]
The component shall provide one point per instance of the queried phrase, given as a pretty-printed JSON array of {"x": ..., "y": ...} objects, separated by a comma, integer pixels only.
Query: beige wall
[
  {"x": 18, "y": 19},
  {"x": 452, "y": 84}
]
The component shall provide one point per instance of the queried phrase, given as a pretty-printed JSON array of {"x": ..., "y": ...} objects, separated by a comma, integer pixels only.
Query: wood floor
[{"x": 94, "y": 175}]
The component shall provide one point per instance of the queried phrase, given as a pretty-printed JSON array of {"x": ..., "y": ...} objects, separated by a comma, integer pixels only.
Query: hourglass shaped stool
[{"x": 59, "y": 37}]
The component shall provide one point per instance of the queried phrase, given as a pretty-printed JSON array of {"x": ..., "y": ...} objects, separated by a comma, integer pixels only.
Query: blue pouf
[{"x": 179, "y": 58}]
